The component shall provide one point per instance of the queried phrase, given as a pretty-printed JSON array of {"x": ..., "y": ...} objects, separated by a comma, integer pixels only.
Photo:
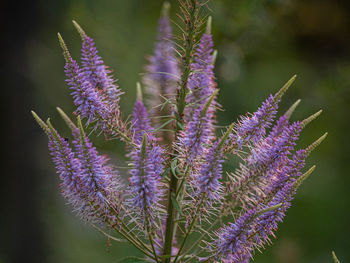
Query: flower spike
[
  {"x": 310, "y": 119},
  {"x": 198, "y": 131},
  {"x": 67, "y": 120},
  {"x": 177, "y": 189},
  {"x": 335, "y": 259},
  {"x": 292, "y": 108},
  {"x": 145, "y": 185},
  {"x": 162, "y": 70},
  {"x": 210, "y": 172},
  {"x": 302, "y": 178},
  {"x": 253, "y": 128},
  {"x": 284, "y": 89},
  {"x": 41, "y": 123},
  {"x": 63, "y": 45},
  {"x": 141, "y": 123},
  {"x": 96, "y": 72},
  {"x": 316, "y": 143},
  {"x": 79, "y": 29}
]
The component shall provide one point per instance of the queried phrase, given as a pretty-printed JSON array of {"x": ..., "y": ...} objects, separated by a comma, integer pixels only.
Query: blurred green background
[{"x": 261, "y": 44}]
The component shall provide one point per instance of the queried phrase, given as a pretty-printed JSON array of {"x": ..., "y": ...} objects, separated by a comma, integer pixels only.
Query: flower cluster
[{"x": 177, "y": 187}]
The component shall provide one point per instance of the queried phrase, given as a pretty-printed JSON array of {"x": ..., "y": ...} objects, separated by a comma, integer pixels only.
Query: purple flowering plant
[{"x": 178, "y": 204}]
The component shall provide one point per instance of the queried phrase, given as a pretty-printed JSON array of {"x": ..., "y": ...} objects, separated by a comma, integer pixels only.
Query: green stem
[
  {"x": 150, "y": 237},
  {"x": 189, "y": 43}
]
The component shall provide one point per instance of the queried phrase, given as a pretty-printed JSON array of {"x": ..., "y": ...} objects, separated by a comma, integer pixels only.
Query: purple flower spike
[
  {"x": 253, "y": 128},
  {"x": 68, "y": 168},
  {"x": 99, "y": 181},
  {"x": 201, "y": 83},
  {"x": 232, "y": 243},
  {"x": 145, "y": 185},
  {"x": 140, "y": 121},
  {"x": 266, "y": 167},
  {"x": 268, "y": 153},
  {"x": 278, "y": 128},
  {"x": 267, "y": 223},
  {"x": 198, "y": 131},
  {"x": 162, "y": 69},
  {"x": 96, "y": 72},
  {"x": 210, "y": 172},
  {"x": 197, "y": 134},
  {"x": 287, "y": 173},
  {"x": 86, "y": 98}
]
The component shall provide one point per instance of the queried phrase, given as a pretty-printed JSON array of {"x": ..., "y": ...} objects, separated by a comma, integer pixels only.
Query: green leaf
[
  {"x": 175, "y": 203},
  {"x": 132, "y": 260}
]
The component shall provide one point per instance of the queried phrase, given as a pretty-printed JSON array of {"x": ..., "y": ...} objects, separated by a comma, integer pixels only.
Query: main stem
[{"x": 189, "y": 41}]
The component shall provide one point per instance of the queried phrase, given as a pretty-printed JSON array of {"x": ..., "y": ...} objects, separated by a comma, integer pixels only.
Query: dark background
[{"x": 261, "y": 44}]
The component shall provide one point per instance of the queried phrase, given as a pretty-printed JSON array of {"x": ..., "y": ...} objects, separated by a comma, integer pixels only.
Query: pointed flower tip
[
  {"x": 292, "y": 108},
  {"x": 207, "y": 105},
  {"x": 286, "y": 86},
  {"x": 269, "y": 209},
  {"x": 316, "y": 143},
  {"x": 208, "y": 29},
  {"x": 226, "y": 136},
  {"x": 335, "y": 259},
  {"x": 138, "y": 91},
  {"x": 40, "y": 122},
  {"x": 215, "y": 55},
  {"x": 310, "y": 119},
  {"x": 80, "y": 125},
  {"x": 48, "y": 122},
  {"x": 79, "y": 29},
  {"x": 67, "y": 120},
  {"x": 166, "y": 9},
  {"x": 81, "y": 129},
  {"x": 63, "y": 45},
  {"x": 303, "y": 177},
  {"x": 52, "y": 129}
]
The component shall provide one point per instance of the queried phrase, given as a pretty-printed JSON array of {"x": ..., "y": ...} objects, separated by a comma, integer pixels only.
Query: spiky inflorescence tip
[
  {"x": 335, "y": 259},
  {"x": 310, "y": 119},
  {"x": 316, "y": 143},
  {"x": 208, "y": 28},
  {"x": 41, "y": 122},
  {"x": 303, "y": 177},
  {"x": 286, "y": 86},
  {"x": 268, "y": 209},
  {"x": 63, "y": 45},
  {"x": 79, "y": 29},
  {"x": 165, "y": 9},
  {"x": 67, "y": 120},
  {"x": 138, "y": 91},
  {"x": 292, "y": 108}
]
